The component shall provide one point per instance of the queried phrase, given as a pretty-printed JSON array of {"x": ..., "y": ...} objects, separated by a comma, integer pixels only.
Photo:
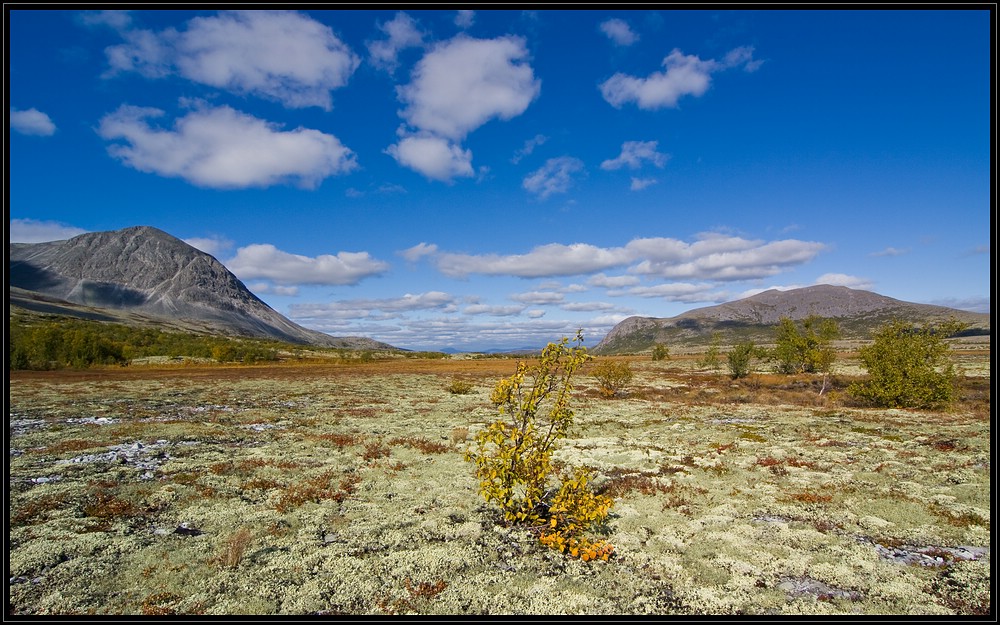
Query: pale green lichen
[{"x": 720, "y": 534}]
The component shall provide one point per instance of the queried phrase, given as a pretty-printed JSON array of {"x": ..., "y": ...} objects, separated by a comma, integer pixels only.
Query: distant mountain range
[
  {"x": 142, "y": 275},
  {"x": 857, "y": 312}
]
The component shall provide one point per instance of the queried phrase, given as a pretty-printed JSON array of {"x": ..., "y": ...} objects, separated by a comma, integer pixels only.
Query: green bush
[
  {"x": 711, "y": 358},
  {"x": 613, "y": 376},
  {"x": 661, "y": 352},
  {"x": 513, "y": 456},
  {"x": 741, "y": 359},
  {"x": 809, "y": 349},
  {"x": 460, "y": 387},
  {"x": 908, "y": 367}
]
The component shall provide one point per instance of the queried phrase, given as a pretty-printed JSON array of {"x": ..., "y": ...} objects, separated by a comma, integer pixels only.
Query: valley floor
[{"x": 327, "y": 489}]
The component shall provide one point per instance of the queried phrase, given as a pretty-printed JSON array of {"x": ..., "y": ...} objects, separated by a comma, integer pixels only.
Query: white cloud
[
  {"x": 118, "y": 20},
  {"x": 363, "y": 308},
  {"x": 31, "y": 122},
  {"x": 434, "y": 157},
  {"x": 890, "y": 251},
  {"x": 278, "y": 55},
  {"x": 401, "y": 32},
  {"x": 612, "y": 282},
  {"x": 224, "y": 148},
  {"x": 972, "y": 304},
  {"x": 638, "y": 184},
  {"x": 555, "y": 176},
  {"x": 721, "y": 258},
  {"x": 529, "y": 147},
  {"x": 538, "y": 298},
  {"x": 684, "y": 75},
  {"x": 842, "y": 279},
  {"x": 465, "y": 18},
  {"x": 265, "y": 288},
  {"x": 554, "y": 259},
  {"x": 264, "y": 261},
  {"x": 712, "y": 257},
  {"x": 741, "y": 56},
  {"x": 677, "y": 292},
  {"x": 494, "y": 311},
  {"x": 418, "y": 251},
  {"x": 619, "y": 31},
  {"x": 535, "y": 314},
  {"x": 634, "y": 153},
  {"x": 461, "y": 84},
  {"x": 587, "y": 306},
  {"x": 37, "y": 231},
  {"x": 214, "y": 246}
]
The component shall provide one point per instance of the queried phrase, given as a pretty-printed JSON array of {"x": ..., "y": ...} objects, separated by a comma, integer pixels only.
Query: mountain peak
[
  {"x": 145, "y": 270},
  {"x": 859, "y": 312}
]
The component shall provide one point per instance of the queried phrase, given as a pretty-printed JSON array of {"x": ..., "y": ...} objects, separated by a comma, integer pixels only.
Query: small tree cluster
[
  {"x": 711, "y": 358},
  {"x": 808, "y": 349},
  {"x": 661, "y": 352},
  {"x": 908, "y": 367},
  {"x": 741, "y": 359},
  {"x": 513, "y": 455},
  {"x": 613, "y": 377}
]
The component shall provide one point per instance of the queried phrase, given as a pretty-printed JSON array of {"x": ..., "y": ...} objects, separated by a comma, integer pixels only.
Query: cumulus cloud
[
  {"x": 263, "y": 261},
  {"x": 890, "y": 251},
  {"x": 214, "y": 246},
  {"x": 418, "y": 251},
  {"x": 555, "y": 176},
  {"x": 619, "y": 31},
  {"x": 538, "y": 298},
  {"x": 712, "y": 257},
  {"x": 365, "y": 308},
  {"x": 722, "y": 258},
  {"x": 266, "y": 288},
  {"x": 634, "y": 153},
  {"x": 676, "y": 292},
  {"x": 612, "y": 282},
  {"x": 39, "y": 231},
  {"x": 554, "y": 259},
  {"x": 118, "y": 20},
  {"x": 457, "y": 87},
  {"x": 529, "y": 147},
  {"x": 462, "y": 83},
  {"x": 494, "y": 311},
  {"x": 684, "y": 74},
  {"x": 223, "y": 148},
  {"x": 283, "y": 56},
  {"x": 435, "y": 157},
  {"x": 638, "y": 184},
  {"x": 465, "y": 18},
  {"x": 842, "y": 279},
  {"x": 31, "y": 122},
  {"x": 587, "y": 306},
  {"x": 972, "y": 304},
  {"x": 401, "y": 33}
]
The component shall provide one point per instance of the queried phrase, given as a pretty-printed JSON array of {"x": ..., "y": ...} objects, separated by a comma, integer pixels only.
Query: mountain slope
[
  {"x": 148, "y": 273},
  {"x": 858, "y": 312}
]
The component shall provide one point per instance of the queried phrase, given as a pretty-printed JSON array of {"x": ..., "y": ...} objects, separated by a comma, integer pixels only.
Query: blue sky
[{"x": 498, "y": 179}]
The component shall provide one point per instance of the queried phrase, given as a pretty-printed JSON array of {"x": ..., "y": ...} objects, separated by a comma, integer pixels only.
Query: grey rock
[{"x": 149, "y": 276}]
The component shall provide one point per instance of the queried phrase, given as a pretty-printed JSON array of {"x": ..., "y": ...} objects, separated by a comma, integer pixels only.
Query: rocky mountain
[
  {"x": 857, "y": 312},
  {"x": 144, "y": 275}
]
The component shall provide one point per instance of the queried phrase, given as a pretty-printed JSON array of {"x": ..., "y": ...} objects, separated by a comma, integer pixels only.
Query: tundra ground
[{"x": 342, "y": 489}]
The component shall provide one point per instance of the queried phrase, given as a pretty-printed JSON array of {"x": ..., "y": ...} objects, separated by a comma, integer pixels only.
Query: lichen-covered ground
[{"x": 343, "y": 490}]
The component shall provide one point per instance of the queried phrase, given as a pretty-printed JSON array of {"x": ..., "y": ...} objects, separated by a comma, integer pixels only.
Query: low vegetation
[
  {"x": 327, "y": 490},
  {"x": 513, "y": 456},
  {"x": 613, "y": 377}
]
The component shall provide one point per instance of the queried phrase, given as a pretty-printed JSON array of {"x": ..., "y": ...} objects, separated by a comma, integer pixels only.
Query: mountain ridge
[
  {"x": 147, "y": 273},
  {"x": 858, "y": 313}
]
